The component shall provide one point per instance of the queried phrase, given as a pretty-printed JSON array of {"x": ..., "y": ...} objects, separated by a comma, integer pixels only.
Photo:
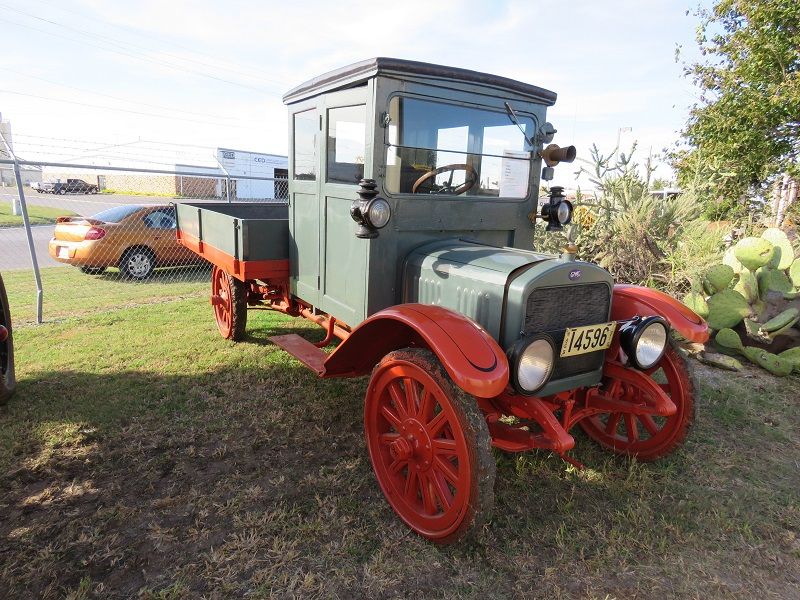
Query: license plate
[
  {"x": 581, "y": 340},
  {"x": 63, "y": 252}
]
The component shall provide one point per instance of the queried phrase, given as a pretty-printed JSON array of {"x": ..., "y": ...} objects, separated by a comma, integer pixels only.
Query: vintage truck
[
  {"x": 7, "y": 380},
  {"x": 408, "y": 237}
]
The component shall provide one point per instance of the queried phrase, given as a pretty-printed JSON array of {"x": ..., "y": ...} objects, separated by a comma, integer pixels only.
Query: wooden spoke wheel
[
  {"x": 229, "y": 298},
  {"x": 429, "y": 446},
  {"x": 648, "y": 437}
]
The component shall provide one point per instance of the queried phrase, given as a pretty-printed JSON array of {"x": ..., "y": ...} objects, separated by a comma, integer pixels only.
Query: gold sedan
[{"x": 134, "y": 238}]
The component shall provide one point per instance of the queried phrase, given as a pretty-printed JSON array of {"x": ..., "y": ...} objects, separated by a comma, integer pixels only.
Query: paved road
[{"x": 14, "y": 252}]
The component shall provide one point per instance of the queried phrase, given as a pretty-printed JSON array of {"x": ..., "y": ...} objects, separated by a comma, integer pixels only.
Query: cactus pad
[
  {"x": 753, "y": 252},
  {"x": 697, "y": 303},
  {"x": 718, "y": 277},
  {"x": 793, "y": 356},
  {"x": 747, "y": 285},
  {"x": 728, "y": 338},
  {"x": 773, "y": 363},
  {"x": 771, "y": 280},
  {"x": 784, "y": 253},
  {"x": 794, "y": 272},
  {"x": 731, "y": 260},
  {"x": 726, "y": 309},
  {"x": 784, "y": 319}
]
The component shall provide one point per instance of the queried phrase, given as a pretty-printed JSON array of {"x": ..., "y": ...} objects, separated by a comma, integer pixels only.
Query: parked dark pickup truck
[{"x": 73, "y": 186}]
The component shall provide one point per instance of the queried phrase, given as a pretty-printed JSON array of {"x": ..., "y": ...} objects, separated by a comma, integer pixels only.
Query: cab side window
[
  {"x": 306, "y": 128},
  {"x": 346, "y": 144},
  {"x": 160, "y": 219}
]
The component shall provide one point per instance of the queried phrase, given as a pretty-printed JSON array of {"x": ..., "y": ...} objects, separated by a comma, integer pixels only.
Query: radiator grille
[{"x": 554, "y": 309}]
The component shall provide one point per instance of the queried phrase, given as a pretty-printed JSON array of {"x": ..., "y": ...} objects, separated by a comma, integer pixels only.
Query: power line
[
  {"x": 253, "y": 72},
  {"x": 135, "y": 112},
  {"x": 131, "y": 55},
  {"x": 119, "y": 98}
]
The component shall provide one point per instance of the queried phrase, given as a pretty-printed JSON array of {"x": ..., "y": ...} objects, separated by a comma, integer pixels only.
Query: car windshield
[
  {"x": 439, "y": 148},
  {"x": 116, "y": 214}
]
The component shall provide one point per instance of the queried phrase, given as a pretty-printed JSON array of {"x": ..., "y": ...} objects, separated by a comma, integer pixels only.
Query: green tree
[{"x": 745, "y": 130}]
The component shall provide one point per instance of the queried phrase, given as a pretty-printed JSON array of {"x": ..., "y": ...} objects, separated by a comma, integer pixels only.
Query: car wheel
[
  {"x": 62, "y": 191},
  {"x": 93, "y": 270},
  {"x": 137, "y": 263},
  {"x": 7, "y": 380}
]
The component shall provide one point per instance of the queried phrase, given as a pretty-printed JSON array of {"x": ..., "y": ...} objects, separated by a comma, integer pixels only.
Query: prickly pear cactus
[
  {"x": 697, "y": 302},
  {"x": 783, "y": 255},
  {"x": 753, "y": 303},
  {"x": 727, "y": 309},
  {"x": 718, "y": 277},
  {"x": 747, "y": 285}
]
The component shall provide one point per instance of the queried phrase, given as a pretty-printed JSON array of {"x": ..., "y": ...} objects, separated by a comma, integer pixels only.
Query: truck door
[{"x": 343, "y": 257}]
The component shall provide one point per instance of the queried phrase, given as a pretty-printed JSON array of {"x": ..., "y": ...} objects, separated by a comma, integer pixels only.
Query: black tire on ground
[
  {"x": 62, "y": 191},
  {"x": 137, "y": 263},
  {"x": 93, "y": 270},
  {"x": 8, "y": 381}
]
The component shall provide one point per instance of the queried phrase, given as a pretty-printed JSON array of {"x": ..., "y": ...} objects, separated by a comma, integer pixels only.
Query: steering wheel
[{"x": 448, "y": 188}]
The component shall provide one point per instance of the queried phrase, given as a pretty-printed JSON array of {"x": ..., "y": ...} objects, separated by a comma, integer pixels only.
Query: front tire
[
  {"x": 137, "y": 263},
  {"x": 62, "y": 191},
  {"x": 650, "y": 438},
  {"x": 8, "y": 382},
  {"x": 429, "y": 446}
]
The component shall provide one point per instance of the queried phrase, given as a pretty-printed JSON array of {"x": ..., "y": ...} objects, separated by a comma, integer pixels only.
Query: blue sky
[{"x": 212, "y": 73}]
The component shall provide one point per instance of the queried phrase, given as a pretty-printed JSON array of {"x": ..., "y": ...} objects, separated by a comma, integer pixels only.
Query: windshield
[
  {"x": 439, "y": 148},
  {"x": 116, "y": 214}
]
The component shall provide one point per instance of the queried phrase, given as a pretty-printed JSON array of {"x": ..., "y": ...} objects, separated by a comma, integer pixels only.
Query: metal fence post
[{"x": 34, "y": 261}]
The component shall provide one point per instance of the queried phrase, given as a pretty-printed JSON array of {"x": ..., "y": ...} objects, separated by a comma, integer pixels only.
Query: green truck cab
[{"x": 413, "y": 191}]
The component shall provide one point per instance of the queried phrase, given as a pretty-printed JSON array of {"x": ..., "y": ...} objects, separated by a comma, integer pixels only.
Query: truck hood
[{"x": 493, "y": 285}]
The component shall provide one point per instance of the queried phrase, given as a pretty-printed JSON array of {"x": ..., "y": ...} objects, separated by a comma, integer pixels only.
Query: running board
[{"x": 303, "y": 350}]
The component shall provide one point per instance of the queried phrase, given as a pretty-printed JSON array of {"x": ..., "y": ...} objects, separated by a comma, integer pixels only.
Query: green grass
[
  {"x": 69, "y": 293},
  {"x": 144, "y": 455},
  {"x": 38, "y": 215}
]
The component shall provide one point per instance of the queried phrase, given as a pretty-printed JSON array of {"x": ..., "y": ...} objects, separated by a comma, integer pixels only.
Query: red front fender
[
  {"x": 632, "y": 300},
  {"x": 468, "y": 353}
]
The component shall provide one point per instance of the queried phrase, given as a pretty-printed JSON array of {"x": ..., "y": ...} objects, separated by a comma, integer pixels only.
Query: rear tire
[
  {"x": 229, "y": 299},
  {"x": 137, "y": 263},
  {"x": 8, "y": 380}
]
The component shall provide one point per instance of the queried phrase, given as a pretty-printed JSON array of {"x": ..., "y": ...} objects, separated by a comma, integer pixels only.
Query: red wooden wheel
[
  {"x": 429, "y": 446},
  {"x": 648, "y": 437},
  {"x": 229, "y": 298}
]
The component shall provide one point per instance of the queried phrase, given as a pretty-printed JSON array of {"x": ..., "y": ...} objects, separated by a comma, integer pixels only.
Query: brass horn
[{"x": 555, "y": 154}]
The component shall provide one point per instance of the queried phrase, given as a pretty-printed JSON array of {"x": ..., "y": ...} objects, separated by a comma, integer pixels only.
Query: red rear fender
[
  {"x": 634, "y": 300},
  {"x": 468, "y": 353}
]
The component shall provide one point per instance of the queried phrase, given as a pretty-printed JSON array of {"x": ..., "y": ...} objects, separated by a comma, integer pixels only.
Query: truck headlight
[
  {"x": 644, "y": 340},
  {"x": 533, "y": 362}
]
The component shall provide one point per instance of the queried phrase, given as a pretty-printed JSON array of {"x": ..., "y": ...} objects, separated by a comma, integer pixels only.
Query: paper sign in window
[{"x": 514, "y": 174}]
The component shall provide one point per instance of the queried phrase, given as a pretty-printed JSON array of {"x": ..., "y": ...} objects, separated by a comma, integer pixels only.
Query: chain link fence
[{"x": 76, "y": 239}]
